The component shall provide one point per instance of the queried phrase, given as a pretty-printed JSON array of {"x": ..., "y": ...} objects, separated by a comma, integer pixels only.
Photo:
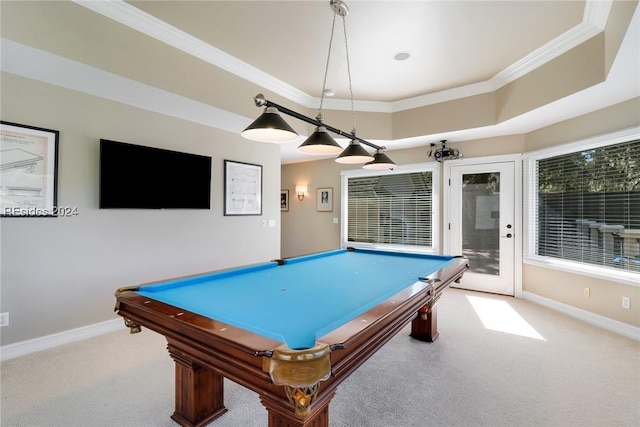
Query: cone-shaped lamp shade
[
  {"x": 380, "y": 162},
  {"x": 269, "y": 127},
  {"x": 320, "y": 142},
  {"x": 354, "y": 154}
]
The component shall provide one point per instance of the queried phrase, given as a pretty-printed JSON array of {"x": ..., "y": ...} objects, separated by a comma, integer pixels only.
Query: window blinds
[
  {"x": 588, "y": 206},
  {"x": 391, "y": 209}
]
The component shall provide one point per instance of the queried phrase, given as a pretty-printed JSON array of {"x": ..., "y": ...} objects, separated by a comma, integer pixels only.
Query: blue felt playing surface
[{"x": 302, "y": 300}]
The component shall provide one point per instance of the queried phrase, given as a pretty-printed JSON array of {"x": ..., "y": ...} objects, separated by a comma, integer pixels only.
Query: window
[
  {"x": 584, "y": 205},
  {"x": 391, "y": 209}
]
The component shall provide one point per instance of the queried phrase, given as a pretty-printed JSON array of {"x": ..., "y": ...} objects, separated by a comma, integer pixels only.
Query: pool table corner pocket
[{"x": 300, "y": 373}]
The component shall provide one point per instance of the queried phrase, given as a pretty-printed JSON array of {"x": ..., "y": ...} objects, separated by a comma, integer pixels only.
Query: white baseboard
[
  {"x": 54, "y": 340},
  {"x": 621, "y": 328}
]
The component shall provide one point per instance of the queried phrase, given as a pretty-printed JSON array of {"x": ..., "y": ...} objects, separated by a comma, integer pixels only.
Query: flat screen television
[{"x": 138, "y": 177}]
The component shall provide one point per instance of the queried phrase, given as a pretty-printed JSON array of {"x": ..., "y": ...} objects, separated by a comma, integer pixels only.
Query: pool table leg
[
  {"x": 199, "y": 393},
  {"x": 281, "y": 414},
  {"x": 425, "y": 326}
]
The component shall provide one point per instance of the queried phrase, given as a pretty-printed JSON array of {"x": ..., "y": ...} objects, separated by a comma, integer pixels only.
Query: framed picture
[
  {"x": 324, "y": 200},
  {"x": 29, "y": 166},
  {"x": 242, "y": 188},
  {"x": 284, "y": 200}
]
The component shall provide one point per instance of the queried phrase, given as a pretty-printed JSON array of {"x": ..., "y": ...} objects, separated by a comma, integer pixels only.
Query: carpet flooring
[{"x": 499, "y": 361}]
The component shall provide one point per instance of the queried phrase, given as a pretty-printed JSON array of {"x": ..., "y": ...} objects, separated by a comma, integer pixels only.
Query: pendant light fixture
[
  {"x": 354, "y": 153},
  {"x": 270, "y": 127},
  {"x": 380, "y": 162},
  {"x": 320, "y": 142}
]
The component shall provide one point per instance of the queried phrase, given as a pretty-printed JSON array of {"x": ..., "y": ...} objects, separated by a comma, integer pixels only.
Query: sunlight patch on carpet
[{"x": 499, "y": 316}]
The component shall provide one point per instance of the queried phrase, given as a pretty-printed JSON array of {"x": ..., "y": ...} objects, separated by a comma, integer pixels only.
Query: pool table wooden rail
[{"x": 205, "y": 350}]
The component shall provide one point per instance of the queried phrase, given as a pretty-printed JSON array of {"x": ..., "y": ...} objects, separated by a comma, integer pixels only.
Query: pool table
[{"x": 291, "y": 330}]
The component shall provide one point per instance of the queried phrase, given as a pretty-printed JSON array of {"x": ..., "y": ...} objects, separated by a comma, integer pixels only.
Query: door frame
[{"x": 517, "y": 200}]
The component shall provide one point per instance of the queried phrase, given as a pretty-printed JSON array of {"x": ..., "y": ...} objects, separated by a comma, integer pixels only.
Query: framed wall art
[
  {"x": 29, "y": 170},
  {"x": 242, "y": 188},
  {"x": 324, "y": 200},
  {"x": 284, "y": 200}
]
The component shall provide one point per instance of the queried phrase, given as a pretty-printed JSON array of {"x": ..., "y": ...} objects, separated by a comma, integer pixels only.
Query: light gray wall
[
  {"x": 305, "y": 230},
  {"x": 61, "y": 273}
]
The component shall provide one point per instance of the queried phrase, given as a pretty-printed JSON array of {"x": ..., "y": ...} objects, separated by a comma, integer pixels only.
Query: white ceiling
[
  {"x": 452, "y": 43},
  {"x": 458, "y": 48}
]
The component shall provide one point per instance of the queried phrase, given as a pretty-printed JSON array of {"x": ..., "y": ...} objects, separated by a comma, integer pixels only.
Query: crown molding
[
  {"x": 443, "y": 96},
  {"x": 546, "y": 53},
  {"x": 597, "y": 12},
  {"x": 37, "y": 64},
  {"x": 595, "y": 16},
  {"x": 593, "y": 22},
  {"x": 134, "y": 18}
]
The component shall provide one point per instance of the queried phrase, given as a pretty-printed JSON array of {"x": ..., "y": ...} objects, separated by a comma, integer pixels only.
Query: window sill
[{"x": 611, "y": 275}]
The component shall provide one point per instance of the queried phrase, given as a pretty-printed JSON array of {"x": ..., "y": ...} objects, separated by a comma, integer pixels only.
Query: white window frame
[
  {"x": 530, "y": 199},
  {"x": 432, "y": 167}
]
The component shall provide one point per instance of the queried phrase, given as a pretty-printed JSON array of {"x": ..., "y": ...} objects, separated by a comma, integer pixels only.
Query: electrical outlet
[
  {"x": 626, "y": 302},
  {"x": 4, "y": 319},
  {"x": 586, "y": 292}
]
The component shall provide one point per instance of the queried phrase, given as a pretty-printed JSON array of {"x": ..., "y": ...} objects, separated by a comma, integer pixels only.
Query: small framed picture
[
  {"x": 29, "y": 179},
  {"x": 324, "y": 200},
  {"x": 242, "y": 188},
  {"x": 284, "y": 200}
]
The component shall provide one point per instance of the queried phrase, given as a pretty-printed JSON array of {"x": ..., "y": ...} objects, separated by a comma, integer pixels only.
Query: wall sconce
[{"x": 301, "y": 190}]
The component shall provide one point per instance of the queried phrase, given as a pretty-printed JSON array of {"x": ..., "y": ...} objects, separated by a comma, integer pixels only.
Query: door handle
[{"x": 509, "y": 235}]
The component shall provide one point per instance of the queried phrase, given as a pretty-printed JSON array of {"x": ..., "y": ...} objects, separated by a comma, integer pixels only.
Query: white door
[{"x": 480, "y": 222}]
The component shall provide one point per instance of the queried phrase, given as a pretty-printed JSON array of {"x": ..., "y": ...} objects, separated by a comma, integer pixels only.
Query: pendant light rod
[{"x": 261, "y": 101}]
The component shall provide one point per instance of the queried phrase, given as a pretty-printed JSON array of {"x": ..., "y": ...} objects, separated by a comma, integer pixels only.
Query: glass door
[{"x": 481, "y": 224}]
